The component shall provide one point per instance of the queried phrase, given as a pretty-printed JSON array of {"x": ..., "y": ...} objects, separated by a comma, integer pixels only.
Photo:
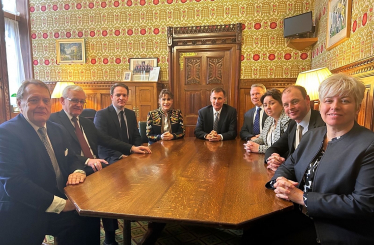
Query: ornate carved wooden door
[
  {"x": 199, "y": 73},
  {"x": 202, "y": 58}
]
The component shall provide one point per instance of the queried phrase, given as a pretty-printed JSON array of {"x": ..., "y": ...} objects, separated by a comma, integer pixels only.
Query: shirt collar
[
  {"x": 305, "y": 122},
  {"x": 118, "y": 110},
  {"x": 36, "y": 128},
  {"x": 70, "y": 117},
  {"x": 219, "y": 112}
]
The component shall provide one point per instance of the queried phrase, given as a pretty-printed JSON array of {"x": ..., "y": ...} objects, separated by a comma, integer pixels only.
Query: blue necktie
[{"x": 256, "y": 124}]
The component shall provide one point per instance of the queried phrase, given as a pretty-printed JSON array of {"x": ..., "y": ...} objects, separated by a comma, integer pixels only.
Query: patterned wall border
[
  {"x": 269, "y": 83},
  {"x": 360, "y": 68}
]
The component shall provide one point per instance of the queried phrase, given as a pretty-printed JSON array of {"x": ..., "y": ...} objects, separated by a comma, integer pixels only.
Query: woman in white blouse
[{"x": 275, "y": 125}]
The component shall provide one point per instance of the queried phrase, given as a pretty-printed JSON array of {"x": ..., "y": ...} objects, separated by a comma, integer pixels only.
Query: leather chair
[
  {"x": 88, "y": 113},
  {"x": 142, "y": 131}
]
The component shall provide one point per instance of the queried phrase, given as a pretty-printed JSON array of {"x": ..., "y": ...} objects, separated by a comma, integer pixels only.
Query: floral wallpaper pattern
[
  {"x": 360, "y": 45},
  {"x": 116, "y": 30}
]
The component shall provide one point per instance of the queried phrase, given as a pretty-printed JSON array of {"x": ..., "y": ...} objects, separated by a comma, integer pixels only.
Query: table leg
[{"x": 126, "y": 232}]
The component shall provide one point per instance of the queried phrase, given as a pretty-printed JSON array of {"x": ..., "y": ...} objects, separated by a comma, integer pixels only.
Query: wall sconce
[{"x": 57, "y": 91}]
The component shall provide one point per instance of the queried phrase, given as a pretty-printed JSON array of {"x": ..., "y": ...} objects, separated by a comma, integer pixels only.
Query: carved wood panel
[
  {"x": 193, "y": 70},
  {"x": 215, "y": 66}
]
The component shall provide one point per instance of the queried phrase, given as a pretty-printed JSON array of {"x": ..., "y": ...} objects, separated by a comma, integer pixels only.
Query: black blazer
[
  {"x": 94, "y": 137},
  {"x": 247, "y": 128},
  {"x": 226, "y": 125},
  {"x": 341, "y": 202},
  {"x": 285, "y": 146},
  {"x": 106, "y": 120},
  {"x": 27, "y": 179}
]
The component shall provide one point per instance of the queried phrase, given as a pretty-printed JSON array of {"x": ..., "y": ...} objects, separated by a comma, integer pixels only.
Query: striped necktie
[{"x": 42, "y": 132}]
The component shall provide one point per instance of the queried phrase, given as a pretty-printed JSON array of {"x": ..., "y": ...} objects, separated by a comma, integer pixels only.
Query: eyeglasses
[{"x": 76, "y": 101}]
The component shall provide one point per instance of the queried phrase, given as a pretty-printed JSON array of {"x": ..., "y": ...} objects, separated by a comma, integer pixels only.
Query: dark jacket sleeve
[
  {"x": 101, "y": 123},
  {"x": 246, "y": 131},
  {"x": 232, "y": 120},
  {"x": 199, "y": 130},
  {"x": 136, "y": 138},
  {"x": 107, "y": 141}
]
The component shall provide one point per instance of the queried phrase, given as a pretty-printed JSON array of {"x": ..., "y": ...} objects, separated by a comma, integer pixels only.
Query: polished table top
[{"x": 188, "y": 180}]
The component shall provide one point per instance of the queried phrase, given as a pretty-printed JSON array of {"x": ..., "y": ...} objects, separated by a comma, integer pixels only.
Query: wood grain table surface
[{"x": 188, "y": 180}]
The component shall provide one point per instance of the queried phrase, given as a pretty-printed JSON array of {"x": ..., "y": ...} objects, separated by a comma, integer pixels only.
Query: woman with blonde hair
[{"x": 330, "y": 174}]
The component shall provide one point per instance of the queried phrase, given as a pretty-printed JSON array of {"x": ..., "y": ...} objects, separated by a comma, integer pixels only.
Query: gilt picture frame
[
  {"x": 70, "y": 51},
  {"x": 338, "y": 22}
]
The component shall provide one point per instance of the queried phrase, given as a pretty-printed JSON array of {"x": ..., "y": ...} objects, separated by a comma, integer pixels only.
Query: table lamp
[
  {"x": 57, "y": 91},
  {"x": 311, "y": 80}
]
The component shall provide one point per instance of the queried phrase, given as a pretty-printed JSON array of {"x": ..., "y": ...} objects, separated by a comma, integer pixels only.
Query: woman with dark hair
[
  {"x": 165, "y": 123},
  {"x": 275, "y": 125}
]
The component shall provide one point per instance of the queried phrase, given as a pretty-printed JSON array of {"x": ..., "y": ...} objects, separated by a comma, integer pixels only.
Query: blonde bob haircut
[{"x": 342, "y": 85}]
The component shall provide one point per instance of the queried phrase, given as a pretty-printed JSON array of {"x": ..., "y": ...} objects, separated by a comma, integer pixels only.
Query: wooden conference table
[{"x": 189, "y": 180}]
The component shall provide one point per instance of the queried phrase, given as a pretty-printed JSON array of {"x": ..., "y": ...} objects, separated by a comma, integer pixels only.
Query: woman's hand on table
[
  {"x": 167, "y": 136},
  {"x": 287, "y": 189},
  {"x": 251, "y": 146}
]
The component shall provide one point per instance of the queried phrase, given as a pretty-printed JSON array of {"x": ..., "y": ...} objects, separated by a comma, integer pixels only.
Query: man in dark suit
[
  {"x": 109, "y": 120},
  {"x": 35, "y": 165},
  {"x": 252, "y": 126},
  {"x": 217, "y": 121},
  {"x": 72, "y": 100},
  {"x": 296, "y": 104}
]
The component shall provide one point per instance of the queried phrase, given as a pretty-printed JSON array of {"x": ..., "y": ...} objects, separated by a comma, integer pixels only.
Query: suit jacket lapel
[
  {"x": 209, "y": 121},
  {"x": 34, "y": 137},
  {"x": 128, "y": 118},
  {"x": 292, "y": 135},
  {"x": 67, "y": 124},
  {"x": 114, "y": 117},
  {"x": 222, "y": 117},
  {"x": 312, "y": 121}
]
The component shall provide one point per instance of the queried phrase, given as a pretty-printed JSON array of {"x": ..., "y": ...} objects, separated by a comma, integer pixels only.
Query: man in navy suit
[
  {"x": 217, "y": 121},
  {"x": 72, "y": 100},
  {"x": 248, "y": 129},
  {"x": 296, "y": 104},
  {"x": 108, "y": 120},
  {"x": 36, "y": 163}
]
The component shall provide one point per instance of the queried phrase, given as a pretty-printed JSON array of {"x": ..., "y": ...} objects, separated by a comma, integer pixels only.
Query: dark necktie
[
  {"x": 215, "y": 124},
  {"x": 124, "y": 135},
  {"x": 256, "y": 124},
  {"x": 42, "y": 132},
  {"x": 82, "y": 141}
]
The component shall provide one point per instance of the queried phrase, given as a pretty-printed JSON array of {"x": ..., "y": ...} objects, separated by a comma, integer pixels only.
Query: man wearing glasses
[{"x": 85, "y": 138}]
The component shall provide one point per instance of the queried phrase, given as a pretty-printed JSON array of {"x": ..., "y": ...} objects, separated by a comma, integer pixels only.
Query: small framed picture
[
  {"x": 140, "y": 68},
  {"x": 70, "y": 51},
  {"x": 127, "y": 76}
]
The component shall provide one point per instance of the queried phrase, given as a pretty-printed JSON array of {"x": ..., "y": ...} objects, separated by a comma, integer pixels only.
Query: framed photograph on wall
[
  {"x": 140, "y": 68},
  {"x": 70, "y": 51},
  {"x": 127, "y": 76},
  {"x": 338, "y": 22}
]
